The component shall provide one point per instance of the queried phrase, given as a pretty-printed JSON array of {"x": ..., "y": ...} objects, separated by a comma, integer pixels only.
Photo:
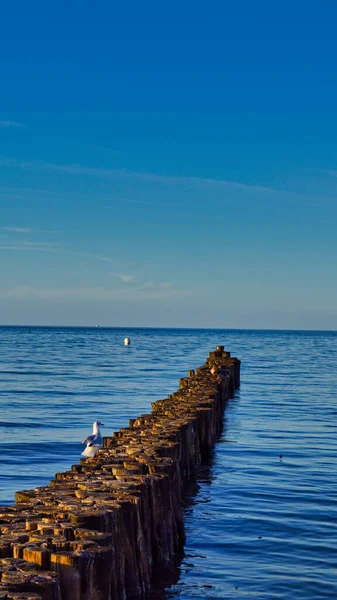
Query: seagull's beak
[{"x": 102, "y": 424}]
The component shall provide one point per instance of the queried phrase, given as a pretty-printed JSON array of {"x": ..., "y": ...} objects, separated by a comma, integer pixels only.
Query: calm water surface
[{"x": 262, "y": 524}]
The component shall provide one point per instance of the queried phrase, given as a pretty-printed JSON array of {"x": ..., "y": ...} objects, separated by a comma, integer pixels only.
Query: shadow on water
[
  {"x": 171, "y": 576},
  {"x": 163, "y": 586}
]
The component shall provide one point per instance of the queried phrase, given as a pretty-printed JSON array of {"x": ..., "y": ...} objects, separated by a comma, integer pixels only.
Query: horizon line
[{"x": 171, "y": 327}]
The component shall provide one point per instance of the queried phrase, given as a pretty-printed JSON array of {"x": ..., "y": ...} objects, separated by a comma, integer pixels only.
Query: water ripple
[{"x": 262, "y": 521}]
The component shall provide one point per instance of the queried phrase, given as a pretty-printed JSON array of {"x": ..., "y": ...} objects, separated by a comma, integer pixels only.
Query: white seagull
[{"x": 94, "y": 441}]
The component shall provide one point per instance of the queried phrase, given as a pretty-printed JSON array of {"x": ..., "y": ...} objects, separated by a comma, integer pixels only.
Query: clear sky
[{"x": 169, "y": 163}]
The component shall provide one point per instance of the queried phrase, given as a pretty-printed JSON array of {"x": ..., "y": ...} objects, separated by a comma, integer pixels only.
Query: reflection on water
[
  {"x": 261, "y": 520},
  {"x": 195, "y": 493}
]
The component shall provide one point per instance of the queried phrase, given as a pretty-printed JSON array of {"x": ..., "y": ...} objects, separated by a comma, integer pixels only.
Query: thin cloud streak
[
  {"x": 31, "y": 230},
  {"x": 21, "y": 194},
  {"x": 88, "y": 293},
  {"x": 10, "y": 124},
  {"x": 99, "y": 257},
  {"x": 33, "y": 246},
  {"x": 140, "y": 288},
  {"x": 75, "y": 169},
  {"x": 56, "y": 247},
  {"x": 19, "y": 229},
  {"x": 126, "y": 278},
  {"x": 29, "y": 248},
  {"x": 166, "y": 284},
  {"x": 327, "y": 172}
]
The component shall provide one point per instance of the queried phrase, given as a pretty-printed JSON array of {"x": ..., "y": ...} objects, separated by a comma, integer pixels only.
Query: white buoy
[{"x": 127, "y": 341}]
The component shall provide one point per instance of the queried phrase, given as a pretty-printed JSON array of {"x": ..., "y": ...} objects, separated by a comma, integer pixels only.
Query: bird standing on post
[{"x": 94, "y": 441}]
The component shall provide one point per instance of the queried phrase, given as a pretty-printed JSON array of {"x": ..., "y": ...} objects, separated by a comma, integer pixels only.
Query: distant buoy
[{"x": 127, "y": 341}]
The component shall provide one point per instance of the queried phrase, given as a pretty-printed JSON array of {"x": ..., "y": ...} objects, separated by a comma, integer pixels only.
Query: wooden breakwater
[{"x": 107, "y": 527}]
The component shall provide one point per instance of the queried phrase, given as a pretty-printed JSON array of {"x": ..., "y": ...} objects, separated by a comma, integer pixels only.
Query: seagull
[{"x": 94, "y": 441}]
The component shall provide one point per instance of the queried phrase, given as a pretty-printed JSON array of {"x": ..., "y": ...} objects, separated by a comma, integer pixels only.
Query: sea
[{"x": 261, "y": 519}]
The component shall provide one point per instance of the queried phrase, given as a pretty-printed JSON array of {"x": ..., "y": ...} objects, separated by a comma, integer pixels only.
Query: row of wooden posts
[{"x": 105, "y": 529}]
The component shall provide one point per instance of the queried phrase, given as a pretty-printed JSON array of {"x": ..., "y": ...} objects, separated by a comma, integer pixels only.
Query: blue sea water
[{"x": 262, "y": 523}]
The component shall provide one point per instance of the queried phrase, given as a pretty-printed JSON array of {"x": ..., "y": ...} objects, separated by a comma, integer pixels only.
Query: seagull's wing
[
  {"x": 89, "y": 439},
  {"x": 94, "y": 443},
  {"x": 94, "y": 440}
]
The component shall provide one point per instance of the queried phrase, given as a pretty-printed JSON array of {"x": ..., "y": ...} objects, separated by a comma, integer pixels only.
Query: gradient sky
[{"x": 169, "y": 163}]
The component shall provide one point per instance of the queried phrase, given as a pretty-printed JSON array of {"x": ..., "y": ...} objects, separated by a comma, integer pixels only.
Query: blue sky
[{"x": 168, "y": 164}]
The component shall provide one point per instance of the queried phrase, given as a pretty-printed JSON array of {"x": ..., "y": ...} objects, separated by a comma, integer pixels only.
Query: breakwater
[{"x": 105, "y": 528}]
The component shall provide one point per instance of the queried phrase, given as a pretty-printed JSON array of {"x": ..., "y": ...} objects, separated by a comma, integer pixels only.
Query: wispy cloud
[
  {"x": 127, "y": 278},
  {"x": 88, "y": 293},
  {"x": 331, "y": 173},
  {"x": 76, "y": 169},
  {"x": 10, "y": 124},
  {"x": 23, "y": 246},
  {"x": 32, "y": 246},
  {"x": 31, "y": 230},
  {"x": 19, "y": 229},
  {"x": 166, "y": 285},
  {"x": 99, "y": 257}
]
